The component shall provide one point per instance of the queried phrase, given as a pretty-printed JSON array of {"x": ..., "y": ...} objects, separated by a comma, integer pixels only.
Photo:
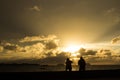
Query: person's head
[
  {"x": 67, "y": 59},
  {"x": 81, "y": 57}
]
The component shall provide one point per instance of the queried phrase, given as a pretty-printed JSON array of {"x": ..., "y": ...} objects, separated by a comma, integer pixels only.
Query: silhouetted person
[
  {"x": 81, "y": 64},
  {"x": 68, "y": 64}
]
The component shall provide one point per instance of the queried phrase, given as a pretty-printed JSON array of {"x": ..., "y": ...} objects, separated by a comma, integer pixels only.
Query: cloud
[
  {"x": 90, "y": 52},
  {"x": 101, "y": 56},
  {"x": 104, "y": 53},
  {"x": 1, "y": 48},
  {"x": 58, "y": 58},
  {"x": 10, "y": 46},
  {"x": 38, "y": 47},
  {"x": 83, "y": 51},
  {"x": 51, "y": 45},
  {"x": 50, "y": 42},
  {"x": 104, "y": 56},
  {"x": 44, "y": 46},
  {"x": 37, "y": 38},
  {"x": 113, "y": 14},
  {"x": 35, "y": 8},
  {"x": 115, "y": 40},
  {"x": 0, "y": 42},
  {"x": 30, "y": 39},
  {"x": 46, "y": 49},
  {"x": 35, "y": 50},
  {"x": 110, "y": 11},
  {"x": 102, "y": 60}
]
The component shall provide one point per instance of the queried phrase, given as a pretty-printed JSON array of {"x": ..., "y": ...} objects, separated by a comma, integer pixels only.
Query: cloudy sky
[{"x": 36, "y": 29}]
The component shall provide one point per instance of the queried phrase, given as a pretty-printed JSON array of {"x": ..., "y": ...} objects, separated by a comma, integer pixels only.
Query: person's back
[
  {"x": 81, "y": 64},
  {"x": 68, "y": 64}
]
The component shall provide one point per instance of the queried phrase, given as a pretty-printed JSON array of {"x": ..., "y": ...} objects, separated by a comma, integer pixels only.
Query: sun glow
[{"x": 71, "y": 48}]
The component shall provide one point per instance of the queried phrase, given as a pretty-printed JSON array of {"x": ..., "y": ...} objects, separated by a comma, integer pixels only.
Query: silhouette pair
[{"x": 81, "y": 64}]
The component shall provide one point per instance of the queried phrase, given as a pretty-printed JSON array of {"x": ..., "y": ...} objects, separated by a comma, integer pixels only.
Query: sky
[{"x": 35, "y": 30}]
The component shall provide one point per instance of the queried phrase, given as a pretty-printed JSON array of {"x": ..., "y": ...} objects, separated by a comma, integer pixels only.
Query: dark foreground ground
[{"x": 62, "y": 75}]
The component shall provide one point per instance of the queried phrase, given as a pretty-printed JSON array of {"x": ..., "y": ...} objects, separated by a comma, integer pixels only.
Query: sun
[{"x": 71, "y": 48}]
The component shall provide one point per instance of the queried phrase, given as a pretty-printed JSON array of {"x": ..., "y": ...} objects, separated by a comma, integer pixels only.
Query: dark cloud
[
  {"x": 10, "y": 47},
  {"x": 1, "y": 48},
  {"x": 83, "y": 51},
  {"x": 90, "y": 52},
  {"x": 105, "y": 52},
  {"x": 51, "y": 45},
  {"x": 35, "y": 8},
  {"x": 49, "y": 54},
  {"x": 62, "y": 54},
  {"x": 0, "y": 42},
  {"x": 115, "y": 40}
]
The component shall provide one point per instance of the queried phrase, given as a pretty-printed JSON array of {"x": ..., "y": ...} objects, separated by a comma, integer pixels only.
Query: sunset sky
[{"x": 49, "y": 31}]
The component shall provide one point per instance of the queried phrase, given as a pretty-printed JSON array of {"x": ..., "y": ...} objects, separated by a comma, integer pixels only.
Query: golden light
[
  {"x": 74, "y": 55},
  {"x": 75, "y": 60},
  {"x": 71, "y": 48}
]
